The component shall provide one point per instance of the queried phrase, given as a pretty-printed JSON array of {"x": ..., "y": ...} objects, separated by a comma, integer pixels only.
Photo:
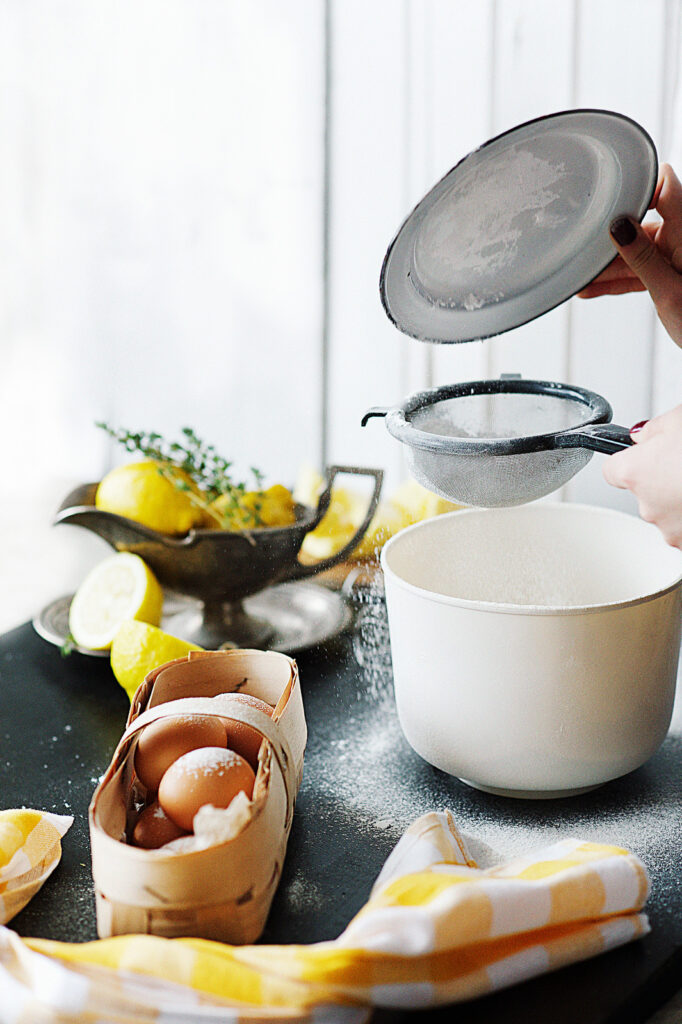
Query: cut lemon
[
  {"x": 418, "y": 503},
  {"x": 138, "y": 648},
  {"x": 410, "y": 503},
  {"x": 119, "y": 588},
  {"x": 309, "y": 485},
  {"x": 387, "y": 521}
]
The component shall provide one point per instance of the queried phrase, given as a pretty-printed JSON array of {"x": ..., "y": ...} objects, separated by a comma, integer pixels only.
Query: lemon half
[
  {"x": 119, "y": 588},
  {"x": 138, "y": 648}
]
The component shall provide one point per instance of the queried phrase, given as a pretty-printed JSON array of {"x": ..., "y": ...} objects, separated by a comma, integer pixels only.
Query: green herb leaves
[{"x": 195, "y": 468}]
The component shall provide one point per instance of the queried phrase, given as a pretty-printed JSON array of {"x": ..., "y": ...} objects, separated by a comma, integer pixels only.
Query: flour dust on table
[{"x": 380, "y": 783}]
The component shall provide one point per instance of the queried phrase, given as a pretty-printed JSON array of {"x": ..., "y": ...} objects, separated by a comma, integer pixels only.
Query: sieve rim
[{"x": 399, "y": 425}]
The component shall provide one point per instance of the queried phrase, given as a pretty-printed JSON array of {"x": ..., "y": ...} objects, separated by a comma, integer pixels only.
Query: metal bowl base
[{"x": 213, "y": 626}]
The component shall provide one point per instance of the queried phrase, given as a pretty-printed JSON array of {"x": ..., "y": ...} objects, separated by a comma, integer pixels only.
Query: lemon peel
[
  {"x": 139, "y": 491},
  {"x": 138, "y": 647}
]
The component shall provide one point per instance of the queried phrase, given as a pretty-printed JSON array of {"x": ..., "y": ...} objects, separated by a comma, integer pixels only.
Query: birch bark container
[{"x": 216, "y": 888}]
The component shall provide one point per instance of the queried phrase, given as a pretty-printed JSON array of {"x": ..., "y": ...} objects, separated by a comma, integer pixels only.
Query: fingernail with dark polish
[
  {"x": 623, "y": 231},
  {"x": 638, "y": 426}
]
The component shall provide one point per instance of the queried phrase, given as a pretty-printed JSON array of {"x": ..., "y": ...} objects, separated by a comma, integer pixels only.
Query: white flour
[{"x": 461, "y": 241}]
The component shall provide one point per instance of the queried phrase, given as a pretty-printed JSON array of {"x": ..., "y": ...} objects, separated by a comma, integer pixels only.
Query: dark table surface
[{"x": 60, "y": 719}]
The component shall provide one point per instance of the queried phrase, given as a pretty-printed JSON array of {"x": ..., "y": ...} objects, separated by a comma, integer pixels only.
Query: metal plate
[
  {"x": 52, "y": 623},
  {"x": 518, "y": 226},
  {"x": 301, "y": 615}
]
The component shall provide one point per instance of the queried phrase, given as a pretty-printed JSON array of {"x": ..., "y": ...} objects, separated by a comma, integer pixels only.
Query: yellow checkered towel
[
  {"x": 30, "y": 849},
  {"x": 435, "y": 929}
]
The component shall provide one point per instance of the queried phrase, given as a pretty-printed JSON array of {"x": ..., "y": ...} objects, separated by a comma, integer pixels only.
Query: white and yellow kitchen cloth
[
  {"x": 436, "y": 929},
  {"x": 30, "y": 849}
]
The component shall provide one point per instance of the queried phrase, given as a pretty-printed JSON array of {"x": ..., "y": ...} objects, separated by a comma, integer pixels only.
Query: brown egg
[
  {"x": 166, "y": 740},
  {"x": 154, "y": 828},
  {"x": 210, "y": 775},
  {"x": 244, "y": 738}
]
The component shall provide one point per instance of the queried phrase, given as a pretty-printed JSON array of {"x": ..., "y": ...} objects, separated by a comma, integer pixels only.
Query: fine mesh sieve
[{"x": 501, "y": 442}]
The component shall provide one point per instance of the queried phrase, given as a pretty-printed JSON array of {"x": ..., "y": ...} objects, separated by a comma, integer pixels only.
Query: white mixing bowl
[{"x": 535, "y": 648}]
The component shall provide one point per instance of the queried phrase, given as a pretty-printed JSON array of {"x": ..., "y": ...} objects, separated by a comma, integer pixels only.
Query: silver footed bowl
[{"x": 218, "y": 568}]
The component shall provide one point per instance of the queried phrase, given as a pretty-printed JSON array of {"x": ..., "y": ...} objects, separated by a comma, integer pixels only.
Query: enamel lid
[{"x": 518, "y": 226}]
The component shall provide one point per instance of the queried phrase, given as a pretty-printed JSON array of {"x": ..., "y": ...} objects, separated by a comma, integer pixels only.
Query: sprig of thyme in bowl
[{"x": 195, "y": 468}]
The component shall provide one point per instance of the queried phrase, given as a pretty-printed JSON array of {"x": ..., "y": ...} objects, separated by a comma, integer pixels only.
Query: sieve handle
[
  {"x": 598, "y": 437},
  {"x": 376, "y": 410}
]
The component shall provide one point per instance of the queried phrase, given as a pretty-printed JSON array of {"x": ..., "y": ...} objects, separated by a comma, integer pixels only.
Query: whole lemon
[{"x": 139, "y": 491}]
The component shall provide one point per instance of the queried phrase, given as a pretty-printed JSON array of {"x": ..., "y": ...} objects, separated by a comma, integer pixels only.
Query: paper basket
[{"x": 223, "y": 891}]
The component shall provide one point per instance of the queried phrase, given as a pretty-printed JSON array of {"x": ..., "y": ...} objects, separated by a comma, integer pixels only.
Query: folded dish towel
[
  {"x": 435, "y": 929},
  {"x": 30, "y": 849}
]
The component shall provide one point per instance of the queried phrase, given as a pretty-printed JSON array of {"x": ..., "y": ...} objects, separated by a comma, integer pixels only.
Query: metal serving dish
[{"x": 220, "y": 568}]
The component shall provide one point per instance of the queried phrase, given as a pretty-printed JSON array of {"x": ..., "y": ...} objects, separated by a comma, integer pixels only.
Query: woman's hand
[
  {"x": 652, "y": 470},
  {"x": 650, "y": 257}
]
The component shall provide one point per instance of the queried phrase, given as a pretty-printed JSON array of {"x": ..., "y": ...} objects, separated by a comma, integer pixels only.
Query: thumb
[{"x": 642, "y": 256}]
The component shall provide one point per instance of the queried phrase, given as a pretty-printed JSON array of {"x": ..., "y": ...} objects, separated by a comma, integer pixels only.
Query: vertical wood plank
[
  {"x": 368, "y": 200},
  {"x": 161, "y": 252},
  {"x": 167, "y": 162},
  {"x": 456, "y": 119},
  {"x": 533, "y": 77},
  {"x": 612, "y": 338},
  {"x": 420, "y": 131},
  {"x": 667, "y": 358},
  {"x": 489, "y": 67}
]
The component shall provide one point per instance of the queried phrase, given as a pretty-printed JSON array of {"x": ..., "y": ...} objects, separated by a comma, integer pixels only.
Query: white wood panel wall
[
  {"x": 161, "y": 248},
  {"x": 195, "y": 200},
  {"x": 463, "y": 72}
]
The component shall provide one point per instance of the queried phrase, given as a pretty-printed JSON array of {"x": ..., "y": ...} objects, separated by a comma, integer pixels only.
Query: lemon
[
  {"x": 341, "y": 520},
  {"x": 386, "y": 522},
  {"x": 137, "y": 648},
  {"x": 121, "y": 587},
  {"x": 419, "y": 503},
  {"x": 276, "y": 506},
  {"x": 309, "y": 485},
  {"x": 338, "y": 525},
  {"x": 273, "y": 507},
  {"x": 409, "y": 504},
  {"x": 138, "y": 491},
  {"x": 329, "y": 535}
]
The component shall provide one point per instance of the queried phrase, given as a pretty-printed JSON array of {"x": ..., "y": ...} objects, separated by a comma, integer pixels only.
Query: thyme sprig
[
  {"x": 68, "y": 646},
  {"x": 192, "y": 459}
]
